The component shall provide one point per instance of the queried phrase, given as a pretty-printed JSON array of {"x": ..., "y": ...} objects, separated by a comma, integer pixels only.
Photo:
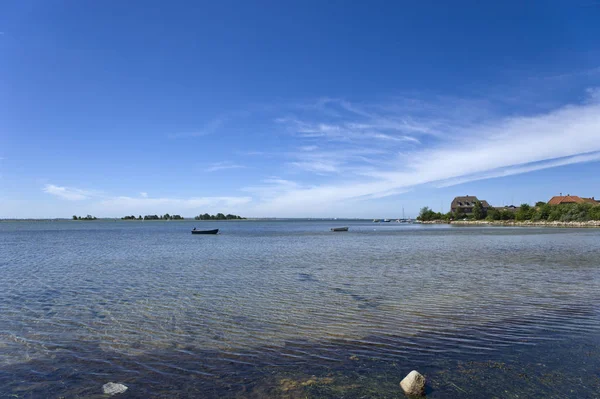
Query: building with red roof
[{"x": 572, "y": 199}]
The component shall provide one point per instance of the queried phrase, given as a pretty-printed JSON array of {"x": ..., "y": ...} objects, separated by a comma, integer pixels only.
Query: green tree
[
  {"x": 493, "y": 214},
  {"x": 458, "y": 214},
  {"x": 525, "y": 212},
  {"x": 74, "y": 217},
  {"x": 424, "y": 214},
  {"x": 507, "y": 215},
  {"x": 595, "y": 212},
  {"x": 478, "y": 211},
  {"x": 554, "y": 215},
  {"x": 542, "y": 212}
]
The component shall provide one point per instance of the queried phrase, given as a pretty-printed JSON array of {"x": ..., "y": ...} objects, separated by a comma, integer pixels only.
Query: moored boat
[
  {"x": 339, "y": 229},
  {"x": 214, "y": 231}
]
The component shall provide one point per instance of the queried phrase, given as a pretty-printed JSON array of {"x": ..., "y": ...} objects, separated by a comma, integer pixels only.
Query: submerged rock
[
  {"x": 112, "y": 388},
  {"x": 413, "y": 384}
]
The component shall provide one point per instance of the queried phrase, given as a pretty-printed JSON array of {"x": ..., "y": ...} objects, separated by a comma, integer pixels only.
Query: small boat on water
[
  {"x": 339, "y": 229},
  {"x": 214, "y": 231}
]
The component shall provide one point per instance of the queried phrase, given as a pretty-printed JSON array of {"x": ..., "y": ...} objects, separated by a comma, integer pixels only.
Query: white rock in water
[
  {"x": 112, "y": 388},
  {"x": 413, "y": 384}
]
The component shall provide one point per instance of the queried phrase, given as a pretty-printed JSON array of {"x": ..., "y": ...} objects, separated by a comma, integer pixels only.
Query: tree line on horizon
[
  {"x": 540, "y": 212},
  {"x": 88, "y": 217},
  {"x": 166, "y": 216},
  {"x": 218, "y": 216}
]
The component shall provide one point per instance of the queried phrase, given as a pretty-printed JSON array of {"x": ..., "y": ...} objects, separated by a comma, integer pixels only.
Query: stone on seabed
[
  {"x": 112, "y": 388},
  {"x": 413, "y": 384}
]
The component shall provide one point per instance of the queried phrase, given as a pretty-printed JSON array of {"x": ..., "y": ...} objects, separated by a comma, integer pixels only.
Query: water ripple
[{"x": 264, "y": 295}]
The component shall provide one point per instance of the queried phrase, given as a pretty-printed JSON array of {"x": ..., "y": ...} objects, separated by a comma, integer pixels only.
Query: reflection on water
[{"x": 288, "y": 309}]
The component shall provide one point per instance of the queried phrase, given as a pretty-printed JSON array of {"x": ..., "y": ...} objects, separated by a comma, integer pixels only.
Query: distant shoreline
[
  {"x": 191, "y": 219},
  {"x": 513, "y": 223}
]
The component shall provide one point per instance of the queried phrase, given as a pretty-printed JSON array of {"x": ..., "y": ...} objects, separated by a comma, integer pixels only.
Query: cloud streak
[
  {"x": 223, "y": 166},
  {"x": 491, "y": 148},
  {"x": 338, "y": 154},
  {"x": 68, "y": 193},
  {"x": 111, "y": 206},
  {"x": 210, "y": 128}
]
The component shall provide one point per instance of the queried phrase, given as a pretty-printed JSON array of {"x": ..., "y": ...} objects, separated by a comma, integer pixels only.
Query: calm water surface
[{"x": 292, "y": 310}]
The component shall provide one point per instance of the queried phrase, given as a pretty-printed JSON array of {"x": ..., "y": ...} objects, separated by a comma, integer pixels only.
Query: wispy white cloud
[
  {"x": 387, "y": 137},
  {"x": 489, "y": 148},
  {"x": 594, "y": 93},
  {"x": 110, "y": 206},
  {"x": 568, "y": 77},
  {"x": 272, "y": 187},
  {"x": 223, "y": 165},
  {"x": 322, "y": 166},
  {"x": 364, "y": 152},
  {"x": 303, "y": 148},
  {"x": 210, "y": 128},
  {"x": 520, "y": 169},
  {"x": 68, "y": 193},
  {"x": 404, "y": 116},
  {"x": 334, "y": 160},
  {"x": 357, "y": 132}
]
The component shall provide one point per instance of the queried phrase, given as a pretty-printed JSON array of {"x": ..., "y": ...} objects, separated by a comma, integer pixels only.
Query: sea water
[{"x": 289, "y": 309}]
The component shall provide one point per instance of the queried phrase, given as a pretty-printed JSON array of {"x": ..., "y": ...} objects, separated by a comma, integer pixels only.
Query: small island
[
  {"x": 218, "y": 216},
  {"x": 88, "y": 217},
  {"x": 166, "y": 216}
]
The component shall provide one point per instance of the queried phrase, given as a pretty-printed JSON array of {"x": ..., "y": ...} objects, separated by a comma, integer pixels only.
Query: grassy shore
[{"x": 527, "y": 223}]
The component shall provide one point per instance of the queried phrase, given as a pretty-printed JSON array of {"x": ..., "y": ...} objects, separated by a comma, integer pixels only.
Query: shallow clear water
[{"x": 290, "y": 309}]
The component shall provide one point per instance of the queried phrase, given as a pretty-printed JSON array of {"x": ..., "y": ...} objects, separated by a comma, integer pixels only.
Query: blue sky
[{"x": 295, "y": 109}]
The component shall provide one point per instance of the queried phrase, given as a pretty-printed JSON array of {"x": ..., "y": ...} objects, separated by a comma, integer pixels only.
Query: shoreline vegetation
[
  {"x": 166, "y": 216},
  {"x": 542, "y": 214},
  {"x": 514, "y": 223},
  {"x": 88, "y": 217},
  {"x": 218, "y": 216}
]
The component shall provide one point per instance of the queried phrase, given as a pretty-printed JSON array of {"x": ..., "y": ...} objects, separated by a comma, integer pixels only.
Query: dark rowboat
[
  {"x": 215, "y": 231},
  {"x": 339, "y": 229}
]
